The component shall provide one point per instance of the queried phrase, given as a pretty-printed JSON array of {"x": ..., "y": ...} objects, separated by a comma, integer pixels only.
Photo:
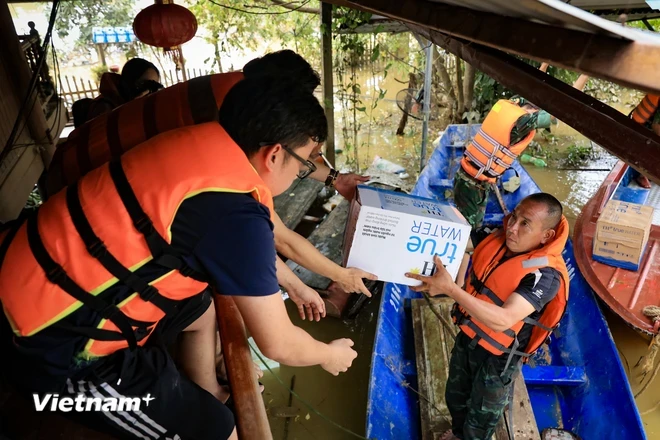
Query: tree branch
[{"x": 290, "y": 5}]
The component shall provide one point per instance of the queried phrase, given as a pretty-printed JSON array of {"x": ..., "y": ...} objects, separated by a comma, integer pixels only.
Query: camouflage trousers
[
  {"x": 470, "y": 197},
  {"x": 477, "y": 391}
]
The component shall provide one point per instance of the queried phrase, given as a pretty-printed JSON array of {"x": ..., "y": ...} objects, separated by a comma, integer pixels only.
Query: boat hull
[{"x": 576, "y": 382}]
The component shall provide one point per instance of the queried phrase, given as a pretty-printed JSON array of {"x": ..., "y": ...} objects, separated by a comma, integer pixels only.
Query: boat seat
[
  {"x": 632, "y": 194},
  {"x": 549, "y": 375}
]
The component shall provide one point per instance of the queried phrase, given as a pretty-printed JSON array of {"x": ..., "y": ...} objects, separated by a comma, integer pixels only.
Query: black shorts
[{"x": 171, "y": 405}]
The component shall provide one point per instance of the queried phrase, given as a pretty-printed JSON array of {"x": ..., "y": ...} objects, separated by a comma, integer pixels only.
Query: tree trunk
[
  {"x": 459, "y": 88},
  {"x": 218, "y": 59},
  {"x": 412, "y": 83},
  {"x": 468, "y": 85},
  {"x": 446, "y": 83}
]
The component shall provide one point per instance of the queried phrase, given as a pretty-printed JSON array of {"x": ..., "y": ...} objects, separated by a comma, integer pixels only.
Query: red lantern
[{"x": 165, "y": 25}]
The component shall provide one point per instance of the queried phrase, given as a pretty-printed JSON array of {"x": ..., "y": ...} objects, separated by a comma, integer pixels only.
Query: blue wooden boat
[{"x": 577, "y": 383}]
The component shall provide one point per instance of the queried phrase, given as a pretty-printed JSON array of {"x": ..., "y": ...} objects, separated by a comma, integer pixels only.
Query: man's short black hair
[
  {"x": 285, "y": 63},
  {"x": 273, "y": 110},
  {"x": 552, "y": 205}
]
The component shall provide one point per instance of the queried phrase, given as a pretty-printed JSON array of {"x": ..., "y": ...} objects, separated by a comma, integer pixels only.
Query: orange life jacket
[
  {"x": 493, "y": 281},
  {"x": 109, "y": 224},
  {"x": 111, "y": 134},
  {"x": 490, "y": 154},
  {"x": 643, "y": 113}
]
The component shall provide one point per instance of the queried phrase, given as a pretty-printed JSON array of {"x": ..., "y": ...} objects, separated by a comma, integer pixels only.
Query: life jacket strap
[
  {"x": 57, "y": 275},
  {"x": 13, "y": 227},
  {"x": 163, "y": 253},
  {"x": 98, "y": 250}
]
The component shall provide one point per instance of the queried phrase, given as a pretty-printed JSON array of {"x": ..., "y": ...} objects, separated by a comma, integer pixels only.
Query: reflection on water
[{"x": 343, "y": 399}]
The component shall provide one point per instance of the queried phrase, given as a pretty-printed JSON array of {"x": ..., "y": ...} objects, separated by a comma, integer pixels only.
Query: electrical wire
[{"x": 259, "y": 13}]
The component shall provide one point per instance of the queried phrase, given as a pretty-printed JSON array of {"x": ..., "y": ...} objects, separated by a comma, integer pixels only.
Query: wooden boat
[
  {"x": 626, "y": 292},
  {"x": 576, "y": 382}
]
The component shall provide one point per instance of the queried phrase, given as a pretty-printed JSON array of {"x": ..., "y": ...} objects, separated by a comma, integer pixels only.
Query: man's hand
[
  {"x": 309, "y": 302},
  {"x": 346, "y": 183},
  {"x": 341, "y": 356},
  {"x": 350, "y": 280},
  {"x": 440, "y": 283}
]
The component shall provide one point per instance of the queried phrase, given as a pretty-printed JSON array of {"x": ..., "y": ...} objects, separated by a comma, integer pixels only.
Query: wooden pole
[
  {"x": 251, "y": 419},
  {"x": 328, "y": 98}
]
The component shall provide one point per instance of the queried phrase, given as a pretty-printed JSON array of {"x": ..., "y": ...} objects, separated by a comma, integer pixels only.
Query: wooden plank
[
  {"x": 433, "y": 344},
  {"x": 294, "y": 203},
  {"x": 327, "y": 238},
  {"x": 607, "y": 56},
  {"x": 611, "y": 129}
]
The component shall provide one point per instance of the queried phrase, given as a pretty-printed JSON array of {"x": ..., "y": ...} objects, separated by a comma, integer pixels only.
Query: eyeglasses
[
  {"x": 308, "y": 163},
  {"x": 150, "y": 85}
]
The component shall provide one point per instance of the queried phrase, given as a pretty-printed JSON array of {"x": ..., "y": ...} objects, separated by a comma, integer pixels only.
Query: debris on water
[
  {"x": 386, "y": 165},
  {"x": 307, "y": 417},
  {"x": 558, "y": 434},
  {"x": 292, "y": 194},
  {"x": 284, "y": 411}
]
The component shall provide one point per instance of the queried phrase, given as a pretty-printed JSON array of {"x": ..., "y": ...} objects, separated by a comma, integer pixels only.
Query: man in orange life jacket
[
  {"x": 505, "y": 133},
  {"x": 646, "y": 113},
  {"x": 515, "y": 295},
  {"x": 105, "y": 275}
]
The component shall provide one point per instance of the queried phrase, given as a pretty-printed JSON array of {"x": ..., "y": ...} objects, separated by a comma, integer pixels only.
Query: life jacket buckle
[
  {"x": 56, "y": 274},
  {"x": 149, "y": 293},
  {"x": 97, "y": 249},
  {"x": 108, "y": 312},
  {"x": 144, "y": 225}
]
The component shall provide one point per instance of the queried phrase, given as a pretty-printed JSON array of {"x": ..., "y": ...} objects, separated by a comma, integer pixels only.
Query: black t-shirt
[{"x": 539, "y": 288}]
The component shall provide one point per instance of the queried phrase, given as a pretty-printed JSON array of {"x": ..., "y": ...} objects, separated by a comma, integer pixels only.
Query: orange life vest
[
  {"x": 494, "y": 281},
  {"x": 490, "y": 154},
  {"x": 111, "y": 134},
  {"x": 643, "y": 113},
  {"x": 109, "y": 224}
]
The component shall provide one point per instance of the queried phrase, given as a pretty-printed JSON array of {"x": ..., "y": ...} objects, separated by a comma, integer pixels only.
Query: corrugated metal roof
[{"x": 565, "y": 14}]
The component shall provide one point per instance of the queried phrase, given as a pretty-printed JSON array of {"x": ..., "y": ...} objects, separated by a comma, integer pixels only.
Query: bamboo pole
[{"x": 251, "y": 419}]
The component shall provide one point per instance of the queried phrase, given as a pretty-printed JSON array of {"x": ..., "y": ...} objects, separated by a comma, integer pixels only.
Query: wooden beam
[
  {"x": 328, "y": 85},
  {"x": 251, "y": 418},
  {"x": 611, "y": 129},
  {"x": 632, "y": 64}
]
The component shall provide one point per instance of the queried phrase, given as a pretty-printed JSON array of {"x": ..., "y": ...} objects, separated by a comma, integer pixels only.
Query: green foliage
[
  {"x": 85, "y": 14},
  {"x": 487, "y": 92},
  {"x": 228, "y": 29},
  {"x": 98, "y": 71},
  {"x": 578, "y": 154}
]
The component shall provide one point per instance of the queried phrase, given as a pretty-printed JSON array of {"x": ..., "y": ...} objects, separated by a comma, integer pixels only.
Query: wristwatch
[{"x": 332, "y": 177}]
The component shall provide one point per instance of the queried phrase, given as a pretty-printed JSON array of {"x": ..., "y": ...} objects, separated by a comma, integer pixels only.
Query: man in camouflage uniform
[
  {"x": 480, "y": 382},
  {"x": 471, "y": 195}
]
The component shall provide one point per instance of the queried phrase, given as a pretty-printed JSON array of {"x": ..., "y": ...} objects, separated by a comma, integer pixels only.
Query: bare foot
[{"x": 643, "y": 181}]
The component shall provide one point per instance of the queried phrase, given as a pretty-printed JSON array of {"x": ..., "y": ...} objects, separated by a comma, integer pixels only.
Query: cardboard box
[
  {"x": 391, "y": 233},
  {"x": 622, "y": 232}
]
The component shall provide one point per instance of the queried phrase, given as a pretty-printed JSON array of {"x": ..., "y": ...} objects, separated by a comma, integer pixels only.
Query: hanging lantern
[{"x": 165, "y": 25}]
